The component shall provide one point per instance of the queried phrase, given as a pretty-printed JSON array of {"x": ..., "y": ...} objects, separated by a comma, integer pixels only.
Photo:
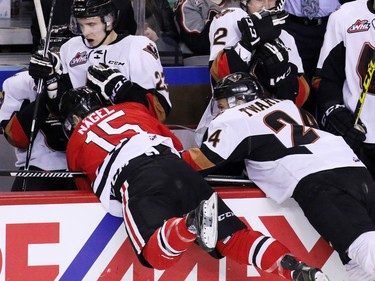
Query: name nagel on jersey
[{"x": 94, "y": 117}]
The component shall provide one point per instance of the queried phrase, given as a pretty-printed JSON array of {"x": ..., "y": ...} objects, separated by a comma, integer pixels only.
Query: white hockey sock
[{"x": 362, "y": 252}]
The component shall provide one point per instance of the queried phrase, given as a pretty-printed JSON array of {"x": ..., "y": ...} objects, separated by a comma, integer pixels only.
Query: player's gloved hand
[
  {"x": 274, "y": 59},
  {"x": 261, "y": 27},
  {"x": 53, "y": 132},
  {"x": 47, "y": 68},
  {"x": 107, "y": 81},
  {"x": 340, "y": 121}
]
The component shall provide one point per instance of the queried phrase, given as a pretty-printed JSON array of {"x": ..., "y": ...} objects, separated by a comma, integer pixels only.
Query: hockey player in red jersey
[
  {"x": 286, "y": 155},
  {"x": 133, "y": 164}
]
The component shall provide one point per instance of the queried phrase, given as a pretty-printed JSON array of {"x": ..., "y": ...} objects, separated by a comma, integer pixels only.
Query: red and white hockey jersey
[{"x": 102, "y": 131}]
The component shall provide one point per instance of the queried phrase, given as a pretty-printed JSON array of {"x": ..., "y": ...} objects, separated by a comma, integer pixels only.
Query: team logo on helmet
[{"x": 235, "y": 77}]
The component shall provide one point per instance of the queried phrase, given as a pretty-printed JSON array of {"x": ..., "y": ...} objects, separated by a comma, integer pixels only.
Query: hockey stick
[
  {"x": 40, "y": 174},
  {"x": 214, "y": 179},
  {"x": 39, "y": 91},
  {"x": 40, "y": 18},
  {"x": 228, "y": 180},
  {"x": 362, "y": 96}
]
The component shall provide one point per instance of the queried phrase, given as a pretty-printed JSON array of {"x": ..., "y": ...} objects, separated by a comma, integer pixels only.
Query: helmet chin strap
[{"x": 107, "y": 32}]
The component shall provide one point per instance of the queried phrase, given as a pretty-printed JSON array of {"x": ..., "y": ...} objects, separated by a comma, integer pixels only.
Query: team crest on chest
[
  {"x": 359, "y": 26},
  {"x": 79, "y": 58},
  {"x": 151, "y": 50}
]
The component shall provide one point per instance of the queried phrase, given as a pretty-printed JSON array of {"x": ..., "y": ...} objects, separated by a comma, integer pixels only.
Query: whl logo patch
[
  {"x": 79, "y": 58},
  {"x": 359, "y": 26}
]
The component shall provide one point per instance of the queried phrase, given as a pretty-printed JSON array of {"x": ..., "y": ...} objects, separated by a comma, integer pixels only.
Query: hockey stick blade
[{"x": 40, "y": 174}]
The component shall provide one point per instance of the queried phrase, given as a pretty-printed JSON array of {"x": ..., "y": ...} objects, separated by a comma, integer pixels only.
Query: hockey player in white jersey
[
  {"x": 136, "y": 57},
  {"x": 48, "y": 152},
  {"x": 271, "y": 53},
  {"x": 251, "y": 39},
  {"x": 194, "y": 18},
  {"x": 16, "y": 116},
  {"x": 342, "y": 69},
  {"x": 286, "y": 155}
]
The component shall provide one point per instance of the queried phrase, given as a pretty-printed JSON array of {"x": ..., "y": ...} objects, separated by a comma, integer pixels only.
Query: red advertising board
[{"x": 69, "y": 236}]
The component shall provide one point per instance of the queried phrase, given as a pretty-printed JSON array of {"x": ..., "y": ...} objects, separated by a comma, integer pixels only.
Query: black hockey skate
[
  {"x": 302, "y": 271},
  {"x": 203, "y": 222}
]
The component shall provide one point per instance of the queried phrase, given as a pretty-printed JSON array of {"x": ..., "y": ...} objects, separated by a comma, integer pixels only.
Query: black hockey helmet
[
  {"x": 238, "y": 86},
  {"x": 105, "y": 9},
  {"x": 79, "y": 101}
]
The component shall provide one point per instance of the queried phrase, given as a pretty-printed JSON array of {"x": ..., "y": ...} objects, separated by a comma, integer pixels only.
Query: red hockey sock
[
  {"x": 252, "y": 247},
  {"x": 165, "y": 246}
]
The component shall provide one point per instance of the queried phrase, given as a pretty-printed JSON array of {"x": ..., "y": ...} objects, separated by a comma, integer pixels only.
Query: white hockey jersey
[
  {"x": 135, "y": 56},
  {"x": 18, "y": 88},
  {"x": 225, "y": 33},
  {"x": 348, "y": 46},
  {"x": 276, "y": 141}
]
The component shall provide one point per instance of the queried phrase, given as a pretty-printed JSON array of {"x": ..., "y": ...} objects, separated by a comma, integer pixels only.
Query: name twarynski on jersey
[
  {"x": 258, "y": 106},
  {"x": 93, "y": 118}
]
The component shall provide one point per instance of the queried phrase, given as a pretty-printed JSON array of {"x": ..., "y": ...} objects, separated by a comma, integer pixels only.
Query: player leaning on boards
[
  {"x": 136, "y": 57},
  {"x": 349, "y": 45},
  {"x": 286, "y": 155},
  {"x": 135, "y": 167}
]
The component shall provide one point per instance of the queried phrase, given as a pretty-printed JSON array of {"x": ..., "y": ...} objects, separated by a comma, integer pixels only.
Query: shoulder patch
[
  {"x": 222, "y": 13},
  {"x": 359, "y": 26},
  {"x": 151, "y": 50}
]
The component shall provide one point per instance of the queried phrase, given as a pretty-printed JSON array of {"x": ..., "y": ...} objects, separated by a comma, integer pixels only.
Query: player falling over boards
[{"x": 136, "y": 171}]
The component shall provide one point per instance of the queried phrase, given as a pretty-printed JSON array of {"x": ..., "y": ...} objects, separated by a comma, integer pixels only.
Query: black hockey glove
[
  {"x": 53, "y": 132},
  {"x": 261, "y": 27},
  {"x": 107, "y": 81},
  {"x": 340, "y": 121},
  {"x": 274, "y": 59},
  {"x": 46, "y": 68}
]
